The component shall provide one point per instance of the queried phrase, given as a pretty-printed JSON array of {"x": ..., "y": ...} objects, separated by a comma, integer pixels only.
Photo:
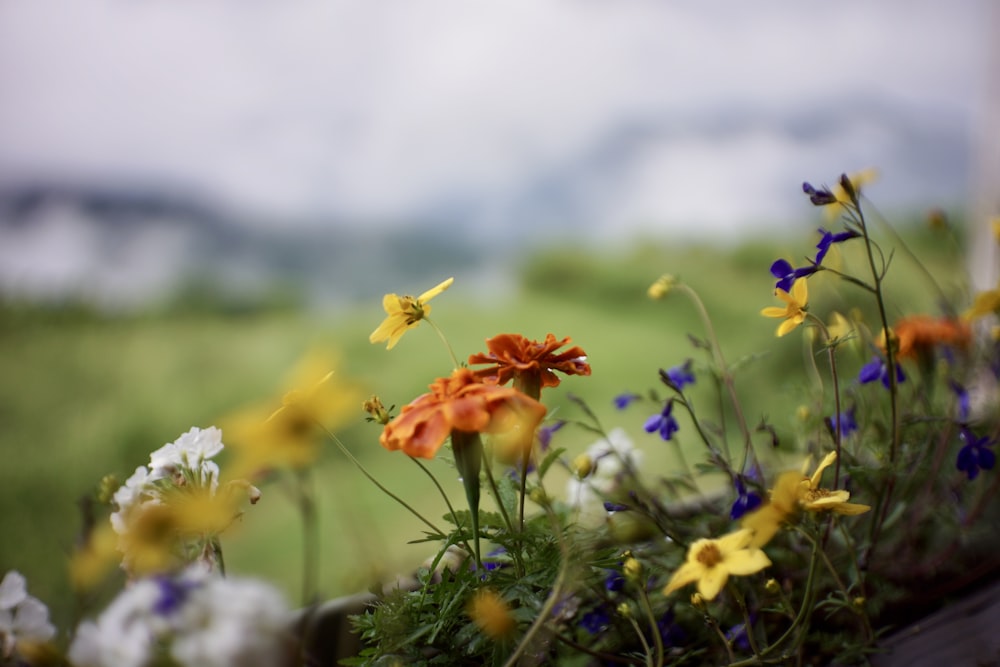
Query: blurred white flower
[
  {"x": 128, "y": 496},
  {"x": 22, "y": 617},
  {"x": 198, "y": 619}
]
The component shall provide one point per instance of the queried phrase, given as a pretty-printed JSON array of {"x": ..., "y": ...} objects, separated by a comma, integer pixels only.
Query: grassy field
[{"x": 82, "y": 396}]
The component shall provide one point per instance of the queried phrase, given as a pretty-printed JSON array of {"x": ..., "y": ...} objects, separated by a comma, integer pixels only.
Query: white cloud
[{"x": 385, "y": 109}]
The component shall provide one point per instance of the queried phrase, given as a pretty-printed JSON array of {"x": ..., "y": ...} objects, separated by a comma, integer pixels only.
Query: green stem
[
  {"x": 727, "y": 377},
  {"x": 451, "y": 352},
  {"x": 653, "y": 629},
  {"x": 447, "y": 501},
  {"x": 467, "y": 446},
  {"x": 310, "y": 536},
  {"x": 343, "y": 448}
]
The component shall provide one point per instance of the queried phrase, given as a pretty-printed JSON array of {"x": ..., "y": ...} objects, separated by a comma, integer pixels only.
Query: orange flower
[
  {"x": 530, "y": 362},
  {"x": 917, "y": 334},
  {"x": 461, "y": 402}
]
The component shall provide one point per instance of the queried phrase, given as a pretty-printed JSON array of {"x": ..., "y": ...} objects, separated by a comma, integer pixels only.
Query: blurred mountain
[{"x": 134, "y": 248}]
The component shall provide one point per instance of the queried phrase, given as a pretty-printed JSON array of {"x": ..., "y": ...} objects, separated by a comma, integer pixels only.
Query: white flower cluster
[
  {"x": 198, "y": 619},
  {"x": 23, "y": 618},
  {"x": 609, "y": 462},
  {"x": 187, "y": 459}
]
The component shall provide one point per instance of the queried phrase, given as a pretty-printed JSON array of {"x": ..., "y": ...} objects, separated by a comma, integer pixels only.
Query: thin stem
[
  {"x": 451, "y": 509},
  {"x": 653, "y": 629},
  {"x": 343, "y": 448},
  {"x": 642, "y": 639},
  {"x": 310, "y": 536},
  {"x": 747, "y": 624},
  {"x": 727, "y": 377},
  {"x": 451, "y": 352}
]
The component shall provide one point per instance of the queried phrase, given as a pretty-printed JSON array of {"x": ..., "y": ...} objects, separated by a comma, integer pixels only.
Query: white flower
[
  {"x": 22, "y": 617},
  {"x": 192, "y": 451},
  {"x": 201, "y": 620},
  {"x": 610, "y": 459},
  {"x": 128, "y": 496},
  {"x": 233, "y": 622}
]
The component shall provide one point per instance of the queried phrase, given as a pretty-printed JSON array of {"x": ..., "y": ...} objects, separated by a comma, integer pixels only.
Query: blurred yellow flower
[
  {"x": 661, "y": 287},
  {"x": 985, "y": 303},
  {"x": 93, "y": 560},
  {"x": 263, "y": 438},
  {"x": 794, "y": 311},
  {"x": 793, "y": 490},
  {"x": 491, "y": 614},
  {"x": 711, "y": 562},
  {"x": 404, "y": 313}
]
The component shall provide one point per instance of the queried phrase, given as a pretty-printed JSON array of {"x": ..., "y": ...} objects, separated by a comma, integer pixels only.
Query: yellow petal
[
  {"x": 434, "y": 291},
  {"x": 824, "y": 464},
  {"x": 734, "y": 541},
  {"x": 774, "y": 311},
  {"x": 747, "y": 561},
  {"x": 787, "y": 326},
  {"x": 851, "y": 509},
  {"x": 800, "y": 291},
  {"x": 685, "y": 574},
  {"x": 712, "y": 581}
]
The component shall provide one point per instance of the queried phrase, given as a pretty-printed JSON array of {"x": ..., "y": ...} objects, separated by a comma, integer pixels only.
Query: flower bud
[
  {"x": 698, "y": 601},
  {"x": 772, "y": 586},
  {"x": 661, "y": 287},
  {"x": 374, "y": 407},
  {"x": 632, "y": 569},
  {"x": 583, "y": 465}
]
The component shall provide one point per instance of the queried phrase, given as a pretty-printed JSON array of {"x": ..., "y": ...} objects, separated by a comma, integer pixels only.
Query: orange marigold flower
[
  {"x": 917, "y": 334},
  {"x": 461, "y": 402},
  {"x": 532, "y": 362}
]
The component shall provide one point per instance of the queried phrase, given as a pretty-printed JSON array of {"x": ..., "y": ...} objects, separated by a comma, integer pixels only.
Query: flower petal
[
  {"x": 434, "y": 291},
  {"x": 746, "y": 561}
]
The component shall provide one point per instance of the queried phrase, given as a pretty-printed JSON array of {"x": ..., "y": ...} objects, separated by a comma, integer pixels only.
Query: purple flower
[
  {"x": 787, "y": 275},
  {"x": 622, "y": 401},
  {"x": 614, "y": 507},
  {"x": 821, "y": 197},
  {"x": 596, "y": 620},
  {"x": 829, "y": 238},
  {"x": 963, "y": 400},
  {"x": 545, "y": 433},
  {"x": 746, "y": 501},
  {"x": 975, "y": 455},
  {"x": 663, "y": 422},
  {"x": 877, "y": 369},
  {"x": 846, "y": 421},
  {"x": 173, "y": 592},
  {"x": 681, "y": 375},
  {"x": 614, "y": 582}
]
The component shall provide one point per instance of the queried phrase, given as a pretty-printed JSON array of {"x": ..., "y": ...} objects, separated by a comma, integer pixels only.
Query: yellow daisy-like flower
[
  {"x": 793, "y": 490},
  {"x": 794, "y": 311},
  {"x": 404, "y": 313},
  {"x": 711, "y": 562}
]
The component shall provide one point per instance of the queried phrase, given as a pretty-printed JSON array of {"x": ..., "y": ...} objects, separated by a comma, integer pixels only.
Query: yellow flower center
[
  {"x": 412, "y": 308},
  {"x": 709, "y": 555}
]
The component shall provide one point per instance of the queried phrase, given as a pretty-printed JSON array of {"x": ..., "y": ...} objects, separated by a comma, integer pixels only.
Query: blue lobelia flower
[
  {"x": 848, "y": 424},
  {"x": 596, "y": 620},
  {"x": 975, "y": 455},
  {"x": 746, "y": 501},
  {"x": 962, "y": 395},
  {"x": 622, "y": 401},
  {"x": 681, "y": 375},
  {"x": 787, "y": 275},
  {"x": 877, "y": 369},
  {"x": 663, "y": 422},
  {"x": 829, "y": 238},
  {"x": 821, "y": 197},
  {"x": 614, "y": 582},
  {"x": 545, "y": 433}
]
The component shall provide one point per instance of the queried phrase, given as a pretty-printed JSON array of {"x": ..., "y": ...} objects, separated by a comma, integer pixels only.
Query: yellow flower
[
  {"x": 986, "y": 303},
  {"x": 858, "y": 180},
  {"x": 710, "y": 562},
  {"x": 404, "y": 313},
  {"x": 794, "y": 311},
  {"x": 816, "y": 499},
  {"x": 661, "y": 287},
  {"x": 491, "y": 614},
  {"x": 264, "y": 438},
  {"x": 840, "y": 328},
  {"x": 792, "y": 491}
]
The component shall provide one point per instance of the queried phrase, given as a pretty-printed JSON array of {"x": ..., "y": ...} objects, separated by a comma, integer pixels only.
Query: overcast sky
[{"x": 613, "y": 116}]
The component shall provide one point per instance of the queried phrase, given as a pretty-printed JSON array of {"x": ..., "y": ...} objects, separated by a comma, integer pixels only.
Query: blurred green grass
[{"x": 84, "y": 395}]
